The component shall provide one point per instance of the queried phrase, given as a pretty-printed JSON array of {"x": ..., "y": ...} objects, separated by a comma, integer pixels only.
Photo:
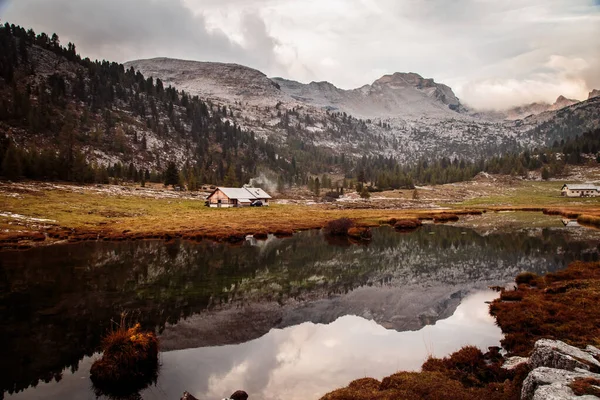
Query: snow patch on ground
[{"x": 24, "y": 218}]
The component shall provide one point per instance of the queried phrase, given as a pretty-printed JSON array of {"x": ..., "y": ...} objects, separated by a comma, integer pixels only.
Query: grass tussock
[
  {"x": 443, "y": 218},
  {"x": 586, "y": 386},
  {"x": 129, "y": 362},
  {"x": 465, "y": 375},
  {"x": 586, "y": 219},
  {"x": 526, "y": 278},
  {"x": 407, "y": 224},
  {"x": 360, "y": 233},
  {"x": 561, "y": 305},
  {"x": 339, "y": 227}
]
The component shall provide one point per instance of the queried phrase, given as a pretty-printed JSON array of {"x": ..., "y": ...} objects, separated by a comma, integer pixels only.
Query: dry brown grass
[
  {"x": 129, "y": 362},
  {"x": 561, "y": 305},
  {"x": 586, "y": 386},
  {"x": 87, "y": 215},
  {"x": 466, "y": 374},
  {"x": 407, "y": 224}
]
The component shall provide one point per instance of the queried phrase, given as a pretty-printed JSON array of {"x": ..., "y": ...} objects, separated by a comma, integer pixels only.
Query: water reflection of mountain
[{"x": 55, "y": 302}]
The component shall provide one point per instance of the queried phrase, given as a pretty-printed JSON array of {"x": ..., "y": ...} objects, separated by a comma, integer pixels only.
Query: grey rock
[
  {"x": 557, "y": 354},
  {"x": 513, "y": 362},
  {"x": 551, "y": 383},
  {"x": 593, "y": 350},
  {"x": 558, "y": 391}
]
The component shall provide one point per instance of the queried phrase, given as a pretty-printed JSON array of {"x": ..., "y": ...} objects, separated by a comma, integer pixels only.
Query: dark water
[{"x": 285, "y": 318}]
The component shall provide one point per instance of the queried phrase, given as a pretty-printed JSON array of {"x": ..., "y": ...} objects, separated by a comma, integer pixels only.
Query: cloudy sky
[{"x": 494, "y": 54}]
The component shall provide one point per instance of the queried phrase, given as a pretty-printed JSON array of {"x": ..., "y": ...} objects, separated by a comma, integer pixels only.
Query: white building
[{"x": 580, "y": 190}]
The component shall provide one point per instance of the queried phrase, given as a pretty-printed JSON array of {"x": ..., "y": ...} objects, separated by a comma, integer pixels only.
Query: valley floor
[{"x": 35, "y": 213}]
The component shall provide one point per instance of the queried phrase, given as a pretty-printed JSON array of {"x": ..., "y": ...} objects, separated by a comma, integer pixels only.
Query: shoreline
[
  {"x": 38, "y": 213},
  {"x": 547, "y": 321}
]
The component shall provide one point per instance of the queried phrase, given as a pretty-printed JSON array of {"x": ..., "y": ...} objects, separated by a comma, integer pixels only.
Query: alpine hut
[{"x": 238, "y": 197}]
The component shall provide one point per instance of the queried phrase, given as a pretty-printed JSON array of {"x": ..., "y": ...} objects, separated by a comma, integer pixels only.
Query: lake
[{"x": 287, "y": 318}]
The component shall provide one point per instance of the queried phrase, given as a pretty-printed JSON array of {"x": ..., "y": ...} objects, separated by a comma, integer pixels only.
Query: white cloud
[{"x": 514, "y": 48}]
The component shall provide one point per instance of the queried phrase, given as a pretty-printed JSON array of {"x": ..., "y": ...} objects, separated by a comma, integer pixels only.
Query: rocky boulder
[
  {"x": 557, "y": 354},
  {"x": 556, "y": 366},
  {"x": 545, "y": 383}
]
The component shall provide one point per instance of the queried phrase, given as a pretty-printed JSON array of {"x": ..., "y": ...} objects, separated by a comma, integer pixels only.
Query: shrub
[{"x": 339, "y": 227}]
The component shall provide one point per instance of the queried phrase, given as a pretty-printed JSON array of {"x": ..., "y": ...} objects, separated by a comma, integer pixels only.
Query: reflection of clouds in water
[
  {"x": 308, "y": 360},
  {"x": 300, "y": 362}
]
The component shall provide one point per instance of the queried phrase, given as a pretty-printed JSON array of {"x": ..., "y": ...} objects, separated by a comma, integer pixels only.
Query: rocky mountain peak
[
  {"x": 594, "y": 93},
  {"x": 562, "y": 102},
  {"x": 404, "y": 79}
]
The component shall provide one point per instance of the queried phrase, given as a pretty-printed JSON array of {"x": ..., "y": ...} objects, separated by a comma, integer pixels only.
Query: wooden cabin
[
  {"x": 580, "y": 190},
  {"x": 224, "y": 197}
]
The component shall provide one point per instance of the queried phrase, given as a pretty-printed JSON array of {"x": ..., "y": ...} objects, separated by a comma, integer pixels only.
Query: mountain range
[{"x": 406, "y": 116}]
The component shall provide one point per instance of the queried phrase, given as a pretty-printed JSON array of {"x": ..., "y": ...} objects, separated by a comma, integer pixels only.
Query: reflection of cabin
[
  {"x": 237, "y": 197},
  {"x": 581, "y": 190}
]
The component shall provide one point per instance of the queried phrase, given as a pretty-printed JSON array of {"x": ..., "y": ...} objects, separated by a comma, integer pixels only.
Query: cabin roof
[
  {"x": 585, "y": 186},
  {"x": 243, "y": 194}
]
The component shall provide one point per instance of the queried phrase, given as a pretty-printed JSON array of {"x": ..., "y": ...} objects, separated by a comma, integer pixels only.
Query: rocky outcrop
[
  {"x": 594, "y": 93},
  {"x": 559, "y": 355},
  {"x": 545, "y": 383},
  {"x": 555, "y": 366}
]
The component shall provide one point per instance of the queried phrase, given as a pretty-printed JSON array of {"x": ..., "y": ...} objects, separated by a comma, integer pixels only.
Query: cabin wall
[
  {"x": 220, "y": 199},
  {"x": 580, "y": 193}
]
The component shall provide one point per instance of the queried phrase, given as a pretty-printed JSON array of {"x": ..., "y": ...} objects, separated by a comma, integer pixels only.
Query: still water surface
[{"x": 282, "y": 319}]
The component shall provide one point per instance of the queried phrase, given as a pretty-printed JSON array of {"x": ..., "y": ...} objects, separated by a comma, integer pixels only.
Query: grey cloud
[
  {"x": 124, "y": 30},
  {"x": 502, "y": 47}
]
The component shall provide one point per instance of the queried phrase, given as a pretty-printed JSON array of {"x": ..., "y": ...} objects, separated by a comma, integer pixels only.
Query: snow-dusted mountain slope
[
  {"x": 406, "y": 95},
  {"x": 226, "y": 82},
  {"x": 402, "y": 115}
]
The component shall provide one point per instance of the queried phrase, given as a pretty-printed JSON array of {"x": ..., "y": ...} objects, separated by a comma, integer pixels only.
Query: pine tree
[
  {"x": 171, "y": 174},
  {"x": 364, "y": 193},
  {"x": 11, "y": 164},
  {"x": 230, "y": 179}
]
